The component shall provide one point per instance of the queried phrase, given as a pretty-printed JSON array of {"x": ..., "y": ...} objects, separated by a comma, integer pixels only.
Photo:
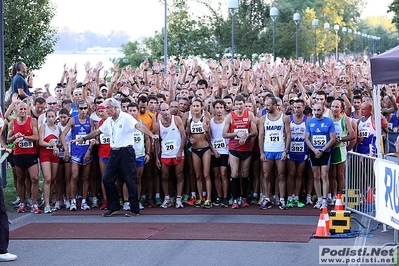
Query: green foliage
[
  {"x": 187, "y": 35},
  {"x": 134, "y": 55},
  {"x": 394, "y": 8},
  {"x": 28, "y": 35}
]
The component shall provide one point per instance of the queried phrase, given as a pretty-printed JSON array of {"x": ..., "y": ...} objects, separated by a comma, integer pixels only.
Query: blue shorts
[
  {"x": 297, "y": 158},
  {"x": 273, "y": 155},
  {"x": 104, "y": 160},
  {"x": 140, "y": 161},
  {"x": 80, "y": 159}
]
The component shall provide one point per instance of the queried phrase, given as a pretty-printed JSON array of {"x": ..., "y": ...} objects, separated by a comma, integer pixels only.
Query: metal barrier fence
[{"x": 359, "y": 193}]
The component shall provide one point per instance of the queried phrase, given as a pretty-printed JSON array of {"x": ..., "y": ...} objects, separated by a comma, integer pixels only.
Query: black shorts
[
  {"x": 10, "y": 159},
  {"x": 222, "y": 161},
  {"x": 323, "y": 160},
  {"x": 25, "y": 161},
  {"x": 242, "y": 155},
  {"x": 255, "y": 157}
]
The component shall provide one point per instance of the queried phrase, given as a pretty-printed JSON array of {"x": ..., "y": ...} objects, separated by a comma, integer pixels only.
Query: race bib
[
  {"x": 364, "y": 133},
  {"x": 219, "y": 144},
  {"x": 25, "y": 144},
  {"x": 274, "y": 137},
  {"x": 196, "y": 128},
  {"x": 137, "y": 137},
  {"x": 105, "y": 139},
  {"x": 390, "y": 126},
  {"x": 52, "y": 142},
  {"x": 237, "y": 130},
  {"x": 297, "y": 146},
  {"x": 319, "y": 140},
  {"x": 61, "y": 152},
  {"x": 87, "y": 142},
  {"x": 169, "y": 145}
]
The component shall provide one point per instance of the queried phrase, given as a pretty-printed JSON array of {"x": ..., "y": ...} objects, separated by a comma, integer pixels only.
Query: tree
[
  {"x": 187, "y": 35},
  {"x": 134, "y": 55},
  {"x": 28, "y": 35},
  {"x": 394, "y": 8}
]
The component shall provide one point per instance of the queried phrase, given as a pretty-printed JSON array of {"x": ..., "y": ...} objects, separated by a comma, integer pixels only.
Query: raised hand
[{"x": 87, "y": 67}]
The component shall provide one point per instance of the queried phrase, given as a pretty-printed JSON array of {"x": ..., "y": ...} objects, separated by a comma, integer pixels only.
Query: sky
[{"x": 137, "y": 17}]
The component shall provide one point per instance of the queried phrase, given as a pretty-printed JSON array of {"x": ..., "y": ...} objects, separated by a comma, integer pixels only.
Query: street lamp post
[
  {"x": 165, "y": 40},
  {"x": 315, "y": 23},
  {"x": 344, "y": 30},
  {"x": 232, "y": 6},
  {"x": 336, "y": 28},
  {"x": 273, "y": 16},
  {"x": 349, "y": 45},
  {"x": 297, "y": 19},
  {"x": 327, "y": 29}
]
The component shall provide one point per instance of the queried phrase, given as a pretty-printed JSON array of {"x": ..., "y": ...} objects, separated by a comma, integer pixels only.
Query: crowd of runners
[{"x": 230, "y": 135}]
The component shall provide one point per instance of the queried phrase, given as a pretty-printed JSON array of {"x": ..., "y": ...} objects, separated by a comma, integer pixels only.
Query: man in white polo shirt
[{"x": 120, "y": 127}]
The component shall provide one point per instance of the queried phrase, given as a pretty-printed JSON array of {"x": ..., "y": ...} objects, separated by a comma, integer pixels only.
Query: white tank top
[
  {"x": 51, "y": 136},
  {"x": 274, "y": 135},
  {"x": 220, "y": 144},
  {"x": 171, "y": 139},
  {"x": 67, "y": 140},
  {"x": 138, "y": 145}
]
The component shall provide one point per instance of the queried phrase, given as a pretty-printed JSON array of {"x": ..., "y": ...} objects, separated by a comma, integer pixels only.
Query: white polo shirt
[{"x": 120, "y": 131}]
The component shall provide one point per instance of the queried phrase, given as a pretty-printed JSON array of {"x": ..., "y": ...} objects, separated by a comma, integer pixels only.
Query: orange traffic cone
[
  {"x": 338, "y": 204},
  {"x": 326, "y": 218},
  {"x": 370, "y": 196},
  {"x": 321, "y": 230}
]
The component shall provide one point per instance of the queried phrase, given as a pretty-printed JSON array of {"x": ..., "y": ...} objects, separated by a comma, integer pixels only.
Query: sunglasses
[
  {"x": 99, "y": 102},
  {"x": 52, "y": 103},
  {"x": 82, "y": 108}
]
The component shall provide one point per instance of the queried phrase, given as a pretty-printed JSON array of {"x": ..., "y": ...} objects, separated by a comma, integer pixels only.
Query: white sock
[
  {"x": 167, "y": 197},
  {"x": 157, "y": 195},
  {"x": 193, "y": 194}
]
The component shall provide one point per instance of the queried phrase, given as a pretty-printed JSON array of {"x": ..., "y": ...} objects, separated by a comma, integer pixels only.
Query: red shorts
[
  {"x": 171, "y": 161},
  {"x": 48, "y": 156}
]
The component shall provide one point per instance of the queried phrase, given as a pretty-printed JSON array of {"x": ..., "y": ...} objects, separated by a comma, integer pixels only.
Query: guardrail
[{"x": 360, "y": 184}]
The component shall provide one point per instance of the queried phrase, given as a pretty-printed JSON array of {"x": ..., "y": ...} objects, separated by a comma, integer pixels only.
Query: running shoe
[
  {"x": 179, "y": 203},
  {"x": 35, "y": 209},
  {"x": 21, "y": 208},
  {"x": 282, "y": 205},
  {"x": 203, "y": 198},
  {"x": 143, "y": 202},
  {"x": 235, "y": 205},
  {"x": 73, "y": 205},
  {"x": 309, "y": 200},
  {"x": 239, "y": 201},
  {"x": 225, "y": 203},
  {"x": 207, "y": 204},
  {"x": 218, "y": 202},
  {"x": 158, "y": 201},
  {"x": 254, "y": 201},
  {"x": 110, "y": 213},
  {"x": 67, "y": 204},
  {"x": 165, "y": 203},
  {"x": 84, "y": 206},
  {"x": 318, "y": 204},
  {"x": 29, "y": 202},
  {"x": 151, "y": 203},
  {"x": 192, "y": 201},
  {"x": 17, "y": 201},
  {"x": 266, "y": 204},
  {"x": 57, "y": 205},
  {"x": 47, "y": 209},
  {"x": 199, "y": 203},
  {"x": 297, "y": 203},
  {"x": 324, "y": 204},
  {"x": 290, "y": 203},
  {"x": 121, "y": 202},
  {"x": 126, "y": 206},
  {"x": 231, "y": 200},
  {"x": 94, "y": 202},
  {"x": 260, "y": 201},
  {"x": 186, "y": 198},
  {"x": 244, "y": 202},
  {"x": 104, "y": 205},
  {"x": 141, "y": 207},
  {"x": 276, "y": 200},
  {"x": 79, "y": 201}
]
